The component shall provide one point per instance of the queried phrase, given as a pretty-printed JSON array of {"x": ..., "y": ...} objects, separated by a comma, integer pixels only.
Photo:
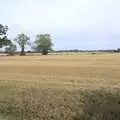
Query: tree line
[{"x": 43, "y": 42}]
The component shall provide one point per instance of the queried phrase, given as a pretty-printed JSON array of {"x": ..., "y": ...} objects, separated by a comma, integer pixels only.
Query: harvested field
[
  {"x": 65, "y": 71},
  {"x": 58, "y": 87}
]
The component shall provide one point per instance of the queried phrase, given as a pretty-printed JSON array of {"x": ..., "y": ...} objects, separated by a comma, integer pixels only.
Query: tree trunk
[{"x": 22, "y": 51}]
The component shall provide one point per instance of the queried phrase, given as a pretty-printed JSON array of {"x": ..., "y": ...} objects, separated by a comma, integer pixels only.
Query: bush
[{"x": 10, "y": 50}]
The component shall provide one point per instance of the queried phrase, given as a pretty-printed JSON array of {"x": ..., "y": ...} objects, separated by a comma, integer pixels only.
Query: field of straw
[{"x": 60, "y": 87}]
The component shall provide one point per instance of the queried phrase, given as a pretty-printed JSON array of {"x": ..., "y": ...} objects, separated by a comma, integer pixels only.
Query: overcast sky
[{"x": 80, "y": 24}]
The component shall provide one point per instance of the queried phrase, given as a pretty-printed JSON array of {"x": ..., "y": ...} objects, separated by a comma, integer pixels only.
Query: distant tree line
[
  {"x": 43, "y": 42},
  {"x": 92, "y": 51}
]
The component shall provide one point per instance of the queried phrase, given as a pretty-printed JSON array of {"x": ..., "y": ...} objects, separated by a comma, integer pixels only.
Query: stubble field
[
  {"x": 49, "y": 86},
  {"x": 61, "y": 71}
]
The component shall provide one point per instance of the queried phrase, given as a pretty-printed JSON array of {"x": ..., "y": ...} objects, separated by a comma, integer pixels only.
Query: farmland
[
  {"x": 61, "y": 72},
  {"x": 54, "y": 82}
]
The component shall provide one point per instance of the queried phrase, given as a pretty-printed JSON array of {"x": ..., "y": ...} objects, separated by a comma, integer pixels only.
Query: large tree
[
  {"x": 22, "y": 40},
  {"x": 4, "y": 41},
  {"x": 43, "y": 43}
]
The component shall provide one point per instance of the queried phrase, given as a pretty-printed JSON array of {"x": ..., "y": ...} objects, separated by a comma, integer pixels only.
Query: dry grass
[
  {"x": 57, "y": 71},
  {"x": 48, "y": 87}
]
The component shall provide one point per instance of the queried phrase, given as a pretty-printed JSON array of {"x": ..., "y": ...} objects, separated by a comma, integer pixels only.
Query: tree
[
  {"x": 22, "y": 41},
  {"x": 43, "y": 43},
  {"x": 11, "y": 49},
  {"x": 4, "y": 41}
]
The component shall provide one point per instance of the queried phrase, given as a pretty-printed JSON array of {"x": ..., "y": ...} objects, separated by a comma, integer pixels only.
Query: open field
[
  {"x": 49, "y": 87},
  {"x": 61, "y": 71}
]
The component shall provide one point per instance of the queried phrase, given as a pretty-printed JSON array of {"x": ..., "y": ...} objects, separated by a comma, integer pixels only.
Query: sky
[{"x": 73, "y": 24}]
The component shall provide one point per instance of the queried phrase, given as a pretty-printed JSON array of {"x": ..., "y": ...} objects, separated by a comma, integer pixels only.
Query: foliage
[
  {"x": 11, "y": 49},
  {"x": 43, "y": 43},
  {"x": 4, "y": 41},
  {"x": 3, "y": 29},
  {"x": 22, "y": 41}
]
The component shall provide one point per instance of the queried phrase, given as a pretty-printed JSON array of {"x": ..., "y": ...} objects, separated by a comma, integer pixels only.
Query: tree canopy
[
  {"x": 4, "y": 41},
  {"x": 43, "y": 43},
  {"x": 22, "y": 40}
]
